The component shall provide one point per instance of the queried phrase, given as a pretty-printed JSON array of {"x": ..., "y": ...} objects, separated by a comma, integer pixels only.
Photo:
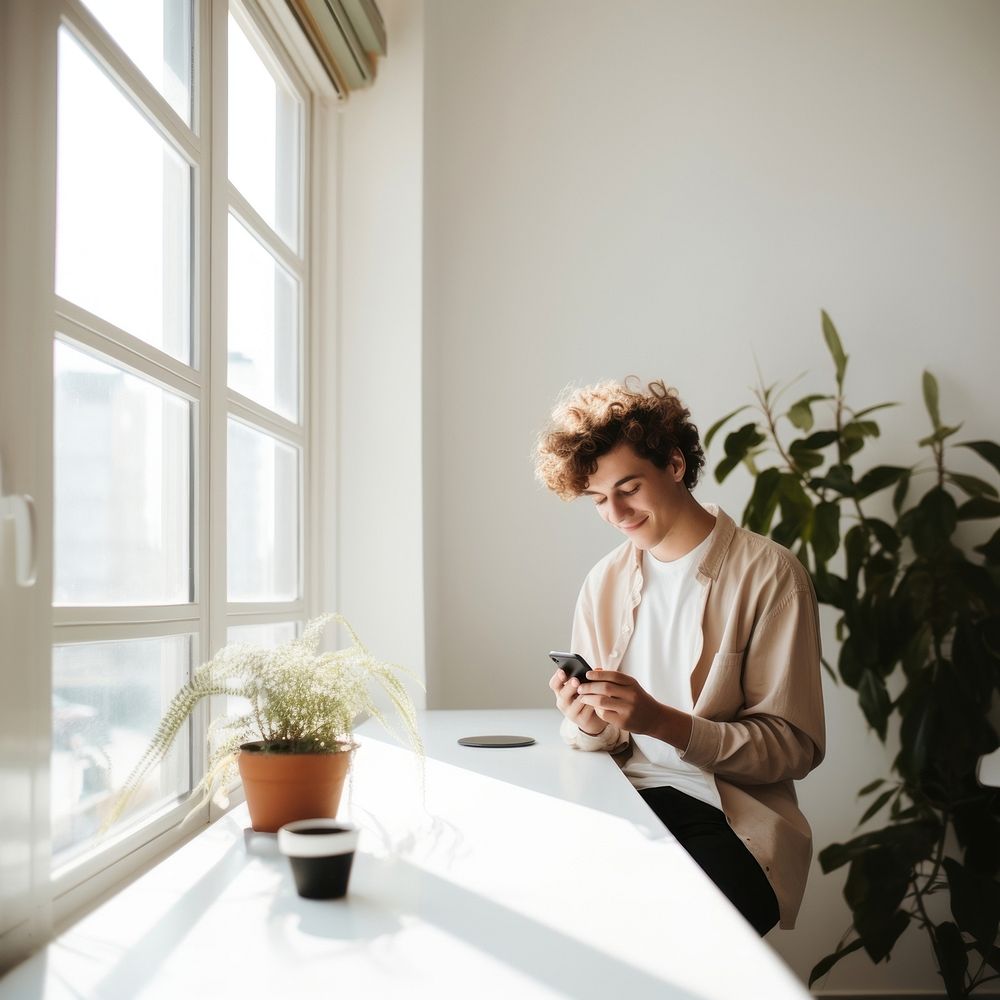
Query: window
[{"x": 180, "y": 442}]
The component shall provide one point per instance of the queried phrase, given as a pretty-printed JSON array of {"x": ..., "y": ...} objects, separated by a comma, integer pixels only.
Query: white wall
[
  {"x": 671, "y": 189},
  {"x": 379, "y": 449}
]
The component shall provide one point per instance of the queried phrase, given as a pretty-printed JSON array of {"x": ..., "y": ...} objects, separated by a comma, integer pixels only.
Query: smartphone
[{"x": 572, "y": 664}]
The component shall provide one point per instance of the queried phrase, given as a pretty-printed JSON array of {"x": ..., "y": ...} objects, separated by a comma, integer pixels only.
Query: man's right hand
[{"x": 568, "y": 702}]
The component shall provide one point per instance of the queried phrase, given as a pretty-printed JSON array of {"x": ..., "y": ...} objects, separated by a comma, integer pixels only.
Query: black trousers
[{"x": 702, "y": 830}]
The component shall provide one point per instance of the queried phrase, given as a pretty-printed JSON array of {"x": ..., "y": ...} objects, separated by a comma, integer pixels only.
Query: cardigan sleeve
[
  {"x": 780, "y": 731},
  {"x": 575, "y": 737},
  {"x": 584, "y": 642}
]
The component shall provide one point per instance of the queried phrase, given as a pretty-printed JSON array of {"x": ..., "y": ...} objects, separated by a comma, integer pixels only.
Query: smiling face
[{"x": 651, "y": 506}]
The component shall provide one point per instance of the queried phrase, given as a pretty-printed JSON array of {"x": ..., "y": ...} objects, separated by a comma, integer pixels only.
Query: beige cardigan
[{"x": 758, "y": 698}]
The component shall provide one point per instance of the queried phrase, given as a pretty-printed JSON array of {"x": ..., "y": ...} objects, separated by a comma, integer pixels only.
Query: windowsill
[{"x": 74, "y": 899}]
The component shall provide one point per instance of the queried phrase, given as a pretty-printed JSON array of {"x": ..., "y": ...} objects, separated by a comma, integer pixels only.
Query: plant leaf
[
  {"x": 871, "y": 786},
  {"x": 874, "y": 701},
  {"x": 931, "y": 399},
  {"x": 833, "y": 590},
  {"x": 763, "y": 502},
  {"x": 988, "y": 450},
  {"x": 882, "y": 934},
  {"x": 725, "y": 467},
  {"x": 875, "y": 887},
  {"x": 911, "y": 841},
  {"x": 824, "y": 965},
  {"x": 860, "y": 429},
  {"x": 826, "y": 530},
  {"x": 975, "y": 901},
  {"x": 884, "y": 533},
  {"x": 991, "y": 955},
  {"x": 879, "y": 478},
  {"x": 794, "y": 499},
  {"x": 991, "y": 549},
  {"x": 940, "y": 434},
  {"x": 952, "y": 957},
  {"x": 979, "y": 508},
  {"x": 856, "y": 550},
  {"x": 819, "y": 439},
  {"x": 918, "y": 731},
  {"x": 739, "y": 442},
  {"x": 803, "y": 458},
  {"x": 899, "y": 493},
  {"x": 801, "y": 416},
  {"x": 835, "y": 347},
  {"x": 934, "y": 521},
  {"x": 849, "y": 660},
  {"x": 876, "y": 806},
  {"x": 714, "y": 429},
  {"x": 972, "y": 485},
  {"x": 839, "y": 478},
  {"x": 916, "y": 650},
  {"x": 872, "y": 409},
  {"x": 800, "y": 413}
]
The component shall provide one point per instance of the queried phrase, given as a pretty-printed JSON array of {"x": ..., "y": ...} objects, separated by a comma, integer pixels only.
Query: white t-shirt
[{"x": 664, "y": 650}]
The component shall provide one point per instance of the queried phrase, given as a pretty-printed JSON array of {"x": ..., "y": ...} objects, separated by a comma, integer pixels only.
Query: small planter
[{"x": 282, "y": 787}]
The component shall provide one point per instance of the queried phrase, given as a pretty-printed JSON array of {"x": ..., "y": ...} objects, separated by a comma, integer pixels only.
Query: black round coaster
[{"x": 497, "y": 741}]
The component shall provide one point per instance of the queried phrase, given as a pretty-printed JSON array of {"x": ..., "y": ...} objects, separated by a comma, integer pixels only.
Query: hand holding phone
[
  {"x": 568, "y": 695},
  {"x": 572, "y": 664}
]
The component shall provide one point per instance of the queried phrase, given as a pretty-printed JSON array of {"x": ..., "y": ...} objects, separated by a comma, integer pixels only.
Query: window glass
[
  {"x": 263, "y": 516},
  {"x": 122, "y": 486},
  {"x": 156, "y": 35},
  {"x": 107, "y": 700},
  {"x": 267, "y": 636},
  {"x": 123, "y": 231},
  {"x": 264, "y": 156},
  {"x": 263, "y": 325},
  {"x": 139, "y": 438}
]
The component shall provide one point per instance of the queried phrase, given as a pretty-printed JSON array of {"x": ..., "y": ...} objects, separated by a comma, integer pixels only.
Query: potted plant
[
  {"x": 916, "y": 584},
  {"x": 292, "y": 741}
]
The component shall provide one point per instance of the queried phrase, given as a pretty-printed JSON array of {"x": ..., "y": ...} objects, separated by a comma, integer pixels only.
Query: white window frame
[{"x": 51, "y": 902}]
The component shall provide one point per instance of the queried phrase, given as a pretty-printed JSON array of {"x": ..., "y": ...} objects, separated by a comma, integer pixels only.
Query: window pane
[
  {"x": 122, "y": 486},
  {"x": 263, "y": 521},
  {"x": 107, "y": 700},
  {"x": 263, "y": 325},
  {"x": 267, "y": 636},
  {"x": 123, "y": 234},
  {"x": 264, "y": 158},
  {"x": 156, "y": 36}
]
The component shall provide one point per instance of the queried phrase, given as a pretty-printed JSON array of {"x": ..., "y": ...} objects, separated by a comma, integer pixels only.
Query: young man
[{"x": 704, "y": 639}]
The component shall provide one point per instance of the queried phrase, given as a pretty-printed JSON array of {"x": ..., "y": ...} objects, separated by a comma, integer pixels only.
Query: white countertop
[{"x": 531, "y": 872}]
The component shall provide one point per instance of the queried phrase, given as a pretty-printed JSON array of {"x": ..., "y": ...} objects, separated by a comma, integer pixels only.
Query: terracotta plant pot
[{"x": 282, "y": 787}]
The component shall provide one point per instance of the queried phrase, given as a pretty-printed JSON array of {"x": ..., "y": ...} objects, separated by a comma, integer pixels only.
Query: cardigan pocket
[{"x": 722, "y": 696}]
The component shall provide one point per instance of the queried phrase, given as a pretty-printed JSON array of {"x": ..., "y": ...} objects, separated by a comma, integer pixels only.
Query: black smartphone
[{"x": 572, "y": 664}]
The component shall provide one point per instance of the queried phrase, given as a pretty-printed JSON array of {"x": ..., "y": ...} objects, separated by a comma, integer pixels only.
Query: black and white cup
[{"x": 321, "y": 852}]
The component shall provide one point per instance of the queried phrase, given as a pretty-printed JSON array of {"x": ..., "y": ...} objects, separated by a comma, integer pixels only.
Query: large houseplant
[
  {"x": 916, "y": 582},
  {"x": 294, "y": 731}
]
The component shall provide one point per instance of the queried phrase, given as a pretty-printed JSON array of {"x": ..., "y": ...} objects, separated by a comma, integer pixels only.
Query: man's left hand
[{"x": 621, "y": 699}]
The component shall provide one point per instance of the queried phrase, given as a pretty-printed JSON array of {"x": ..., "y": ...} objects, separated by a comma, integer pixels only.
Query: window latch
[{"x": 21, "y": 510}]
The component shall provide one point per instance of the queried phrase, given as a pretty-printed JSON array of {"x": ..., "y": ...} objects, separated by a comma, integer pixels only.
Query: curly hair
[{"x": 588, "y": 423}]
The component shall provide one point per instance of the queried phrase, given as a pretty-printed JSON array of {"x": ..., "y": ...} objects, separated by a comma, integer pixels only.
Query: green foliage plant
[
  {"x": 297, "y": 700},
  {"x": 919, "y": 632}
]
